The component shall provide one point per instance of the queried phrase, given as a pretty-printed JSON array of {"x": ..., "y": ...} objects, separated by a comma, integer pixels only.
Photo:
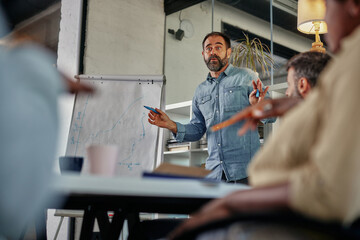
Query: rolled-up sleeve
[
  {"x": 195, "y": 129},
  {"x": 179, "y": 136}
]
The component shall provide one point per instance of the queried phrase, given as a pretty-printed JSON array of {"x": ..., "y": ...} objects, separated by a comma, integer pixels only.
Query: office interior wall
[
  {"x": 128, "y": 39},
  {"x": 68, "y": 63},
  {"x": 184, "y": 65},
  {"x": 124, "y": 37},
  {"x": 135, "y": 47}
]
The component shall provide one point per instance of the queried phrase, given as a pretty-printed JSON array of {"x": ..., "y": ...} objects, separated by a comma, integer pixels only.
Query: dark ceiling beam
[
  {"x": 172, "y": 6},
  {"x": 261, "y": 9},
  {"x": 20, "y": 10}
]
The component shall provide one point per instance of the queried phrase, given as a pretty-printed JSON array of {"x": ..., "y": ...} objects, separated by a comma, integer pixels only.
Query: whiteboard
[{"x": 115, "y": 114}]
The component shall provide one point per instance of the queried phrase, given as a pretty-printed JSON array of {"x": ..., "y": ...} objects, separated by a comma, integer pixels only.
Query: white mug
[{"x": 102, "y": 159}]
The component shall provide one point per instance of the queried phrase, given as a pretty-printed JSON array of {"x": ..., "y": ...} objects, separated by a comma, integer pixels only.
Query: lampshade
[
  {"x": 310, "y": 11},
  {"x": 311, "y": 14}
]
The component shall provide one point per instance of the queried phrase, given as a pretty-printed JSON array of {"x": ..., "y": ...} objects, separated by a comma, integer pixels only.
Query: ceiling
[
  {"x": 284, "y": 11},
  {"x": 172, "y": 6},
  {"x": 20, "y": 10}
]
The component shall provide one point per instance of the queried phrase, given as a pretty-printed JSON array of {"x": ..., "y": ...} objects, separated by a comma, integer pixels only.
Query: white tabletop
[{"x": 147, "y": 187}]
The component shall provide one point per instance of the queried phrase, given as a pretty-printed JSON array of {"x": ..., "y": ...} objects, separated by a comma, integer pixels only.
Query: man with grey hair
[{"x": 226, "y": 90}]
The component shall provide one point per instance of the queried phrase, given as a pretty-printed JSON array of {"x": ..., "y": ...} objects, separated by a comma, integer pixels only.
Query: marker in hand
[
  {"x": 257, "y": 86},
  {"x": 151, "y": 109}
]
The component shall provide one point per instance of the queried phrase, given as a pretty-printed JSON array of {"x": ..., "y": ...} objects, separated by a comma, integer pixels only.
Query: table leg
[
  {"x": 87, "y": 227},
  {"x": 40, "y": 225},
  {"x": 117, "y": 224},
  {"x": 71, "y": 235},
  {"x": 104, "y": 223},
  {"x": 133, "y": 225},
  {"x": 107, "y": 230}
]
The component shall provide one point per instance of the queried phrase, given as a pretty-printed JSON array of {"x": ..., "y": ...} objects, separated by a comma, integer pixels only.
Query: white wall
[
  {"x": 125, "y": 37},
  {"x": 184, "y": 65},
  {"x": 67, "y": 62}
]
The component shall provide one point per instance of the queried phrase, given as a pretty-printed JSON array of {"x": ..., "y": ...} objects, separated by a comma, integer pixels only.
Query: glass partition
[{"x": 184, "y": 66}]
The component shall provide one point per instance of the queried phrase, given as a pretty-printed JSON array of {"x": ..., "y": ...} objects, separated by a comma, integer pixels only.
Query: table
[{"x": 127, "y": 197}]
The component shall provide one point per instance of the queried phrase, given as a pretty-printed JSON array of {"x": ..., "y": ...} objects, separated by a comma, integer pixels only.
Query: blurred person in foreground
[
  {"x": 29, "y": 88},
  {"x": 311, "y": 164}
]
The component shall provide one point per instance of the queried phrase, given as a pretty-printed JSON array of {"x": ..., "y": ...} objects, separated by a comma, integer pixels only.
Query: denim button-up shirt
[{"x": 215, "y": 101}]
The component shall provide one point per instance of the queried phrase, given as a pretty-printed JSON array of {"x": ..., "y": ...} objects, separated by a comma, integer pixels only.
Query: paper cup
[{"x": 102, "y": 159}]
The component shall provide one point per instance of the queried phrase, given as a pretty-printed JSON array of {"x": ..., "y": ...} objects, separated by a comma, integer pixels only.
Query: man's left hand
[{"x": 257, "y": 86}]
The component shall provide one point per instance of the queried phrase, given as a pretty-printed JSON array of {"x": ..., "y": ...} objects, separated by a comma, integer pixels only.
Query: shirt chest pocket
[
  {"x": 206, "y": 106},
  {"x": 235, "y": 98}
]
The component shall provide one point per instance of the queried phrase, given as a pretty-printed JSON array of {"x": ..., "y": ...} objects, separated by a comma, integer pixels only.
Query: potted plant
[{"x": 252, "y": 54}]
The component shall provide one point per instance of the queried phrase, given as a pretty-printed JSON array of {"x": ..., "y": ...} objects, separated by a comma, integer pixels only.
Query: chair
[
  {"x": 286, "y": 219},
  {"x": 66, "y": 213},
  {"x": 74, "y": 214},
  {"x": 154, "y": 229}
]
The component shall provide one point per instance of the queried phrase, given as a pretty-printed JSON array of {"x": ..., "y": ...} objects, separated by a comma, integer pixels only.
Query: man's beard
[{"x": 216, "y": 66}]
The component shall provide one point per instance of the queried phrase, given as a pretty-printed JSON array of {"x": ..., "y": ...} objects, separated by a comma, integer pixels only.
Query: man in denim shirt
[{"x": 227, "y": 90}]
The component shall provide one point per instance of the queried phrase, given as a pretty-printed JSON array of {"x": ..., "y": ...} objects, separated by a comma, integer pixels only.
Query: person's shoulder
[
  {"x": 245, "y": 74},
  {"x": 242, "y": 70},
  {"x": 37, "y": 65},
  {"x": 200, "y": 88},
  {"x": 343, "y": 66},
  {"x": 33, "y": 51},
  {"x": 203, "y": 84}
]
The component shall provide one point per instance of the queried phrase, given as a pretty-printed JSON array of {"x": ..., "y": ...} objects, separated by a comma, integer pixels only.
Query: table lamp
[{"x": 310, "y": 20}]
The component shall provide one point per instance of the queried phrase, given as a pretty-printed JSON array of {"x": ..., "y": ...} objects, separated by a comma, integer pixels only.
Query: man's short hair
[
  {"x": 308, "y": 65},
  {"x": 224, "y": 36}
]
